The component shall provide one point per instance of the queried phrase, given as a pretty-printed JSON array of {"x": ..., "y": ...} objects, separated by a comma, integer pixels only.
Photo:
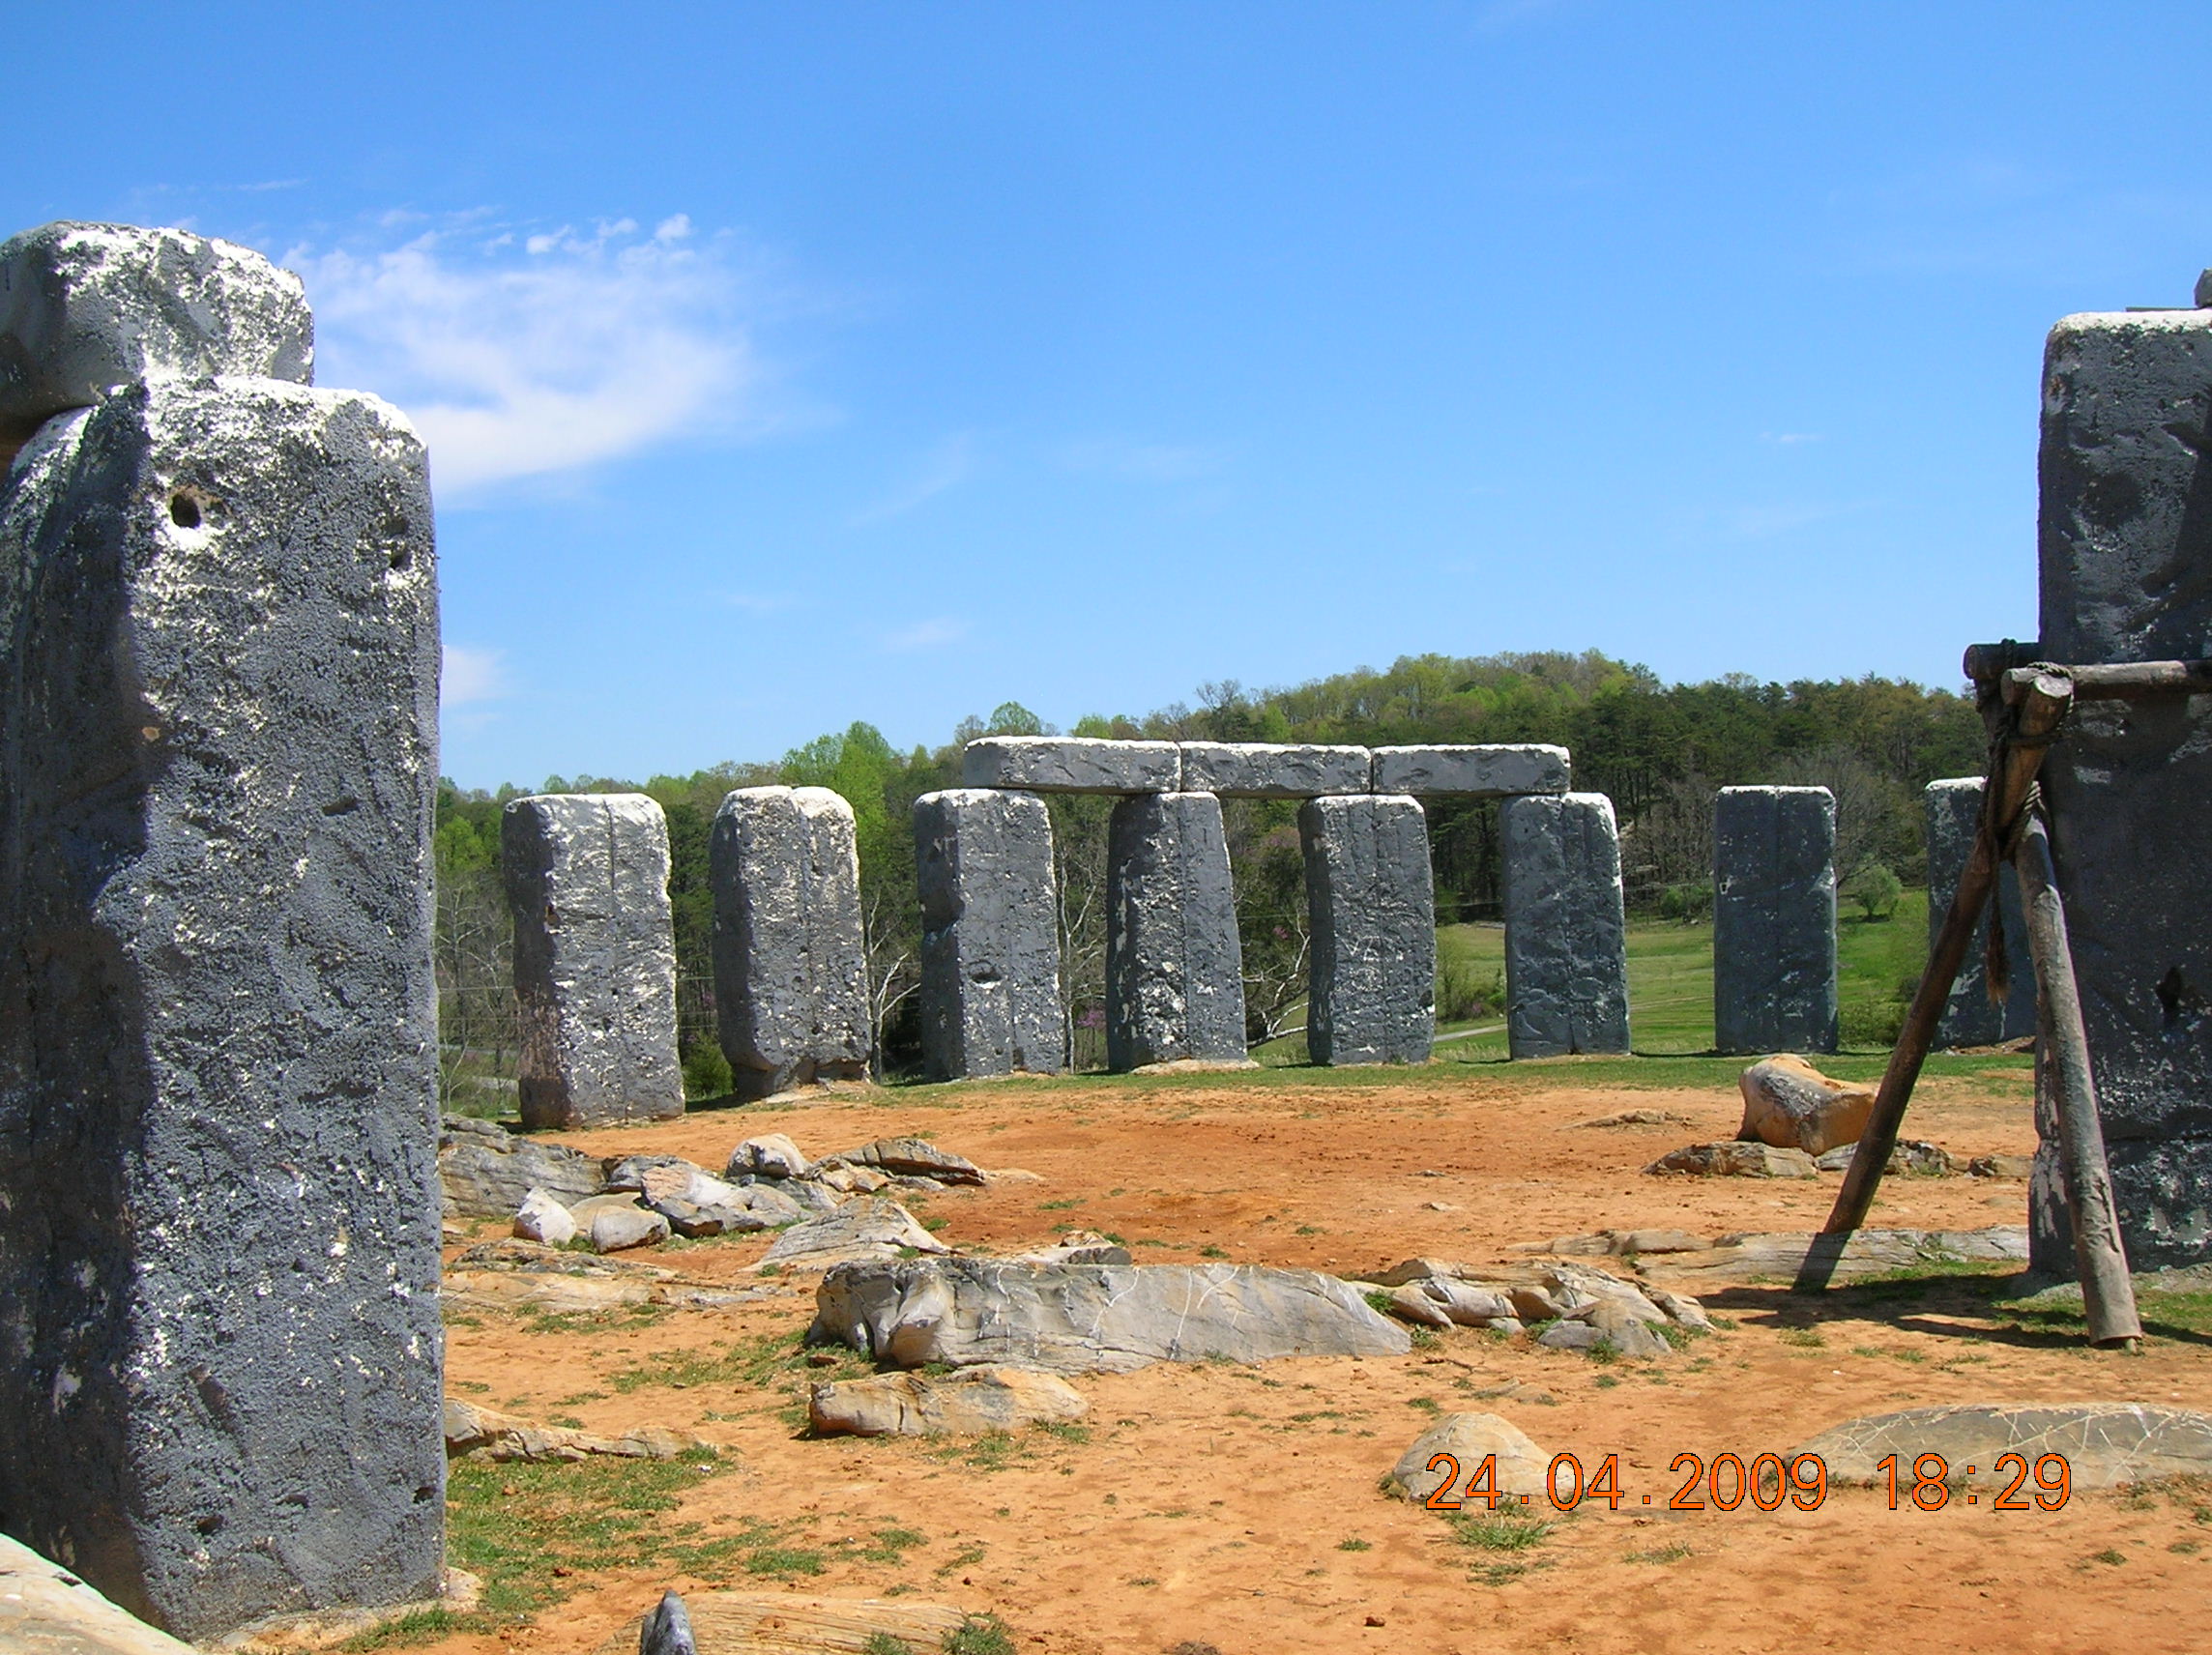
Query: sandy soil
[{"x": 1238, "y": 1507}]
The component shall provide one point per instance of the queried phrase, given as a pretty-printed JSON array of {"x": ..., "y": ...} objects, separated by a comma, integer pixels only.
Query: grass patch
[
  {"x": 979, "y": 1634},
  {"x": 760, "y": 1361},
  {"x": 1508, "y": 1529},
  {"x": 1353, "y": 1543},
  {"x": 1803, "y": 1339},
  {"x": 1658, "y": 1555}
]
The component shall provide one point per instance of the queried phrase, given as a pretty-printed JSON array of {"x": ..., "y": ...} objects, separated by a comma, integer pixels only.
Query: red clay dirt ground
[{"x": 1238, "y": 1507}]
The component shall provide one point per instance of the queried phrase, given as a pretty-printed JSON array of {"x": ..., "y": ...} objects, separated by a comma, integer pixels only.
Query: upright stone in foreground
[
  {"x": 1175, "y": 968},
  {"x": 990, "y": 934},
  {"x": 1774, "y": 920},
  {"x": 1566, "y": 934},
  {"x": 791, "y": 970},
  {"x": 2125, "y": 554},
  {"x": 595, "y": 959},
  {"x": 1372, "y": 973},
  {"x": 219, "y": 1342},
  {"x": 1970, "y": 1018}
]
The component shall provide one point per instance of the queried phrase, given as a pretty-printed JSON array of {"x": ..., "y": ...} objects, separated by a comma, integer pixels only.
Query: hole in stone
[
  {"x": 210, "y": 1524},
  {"x": 183, "y": 511},
  {"x": 341, "y": 806},
  {"x": 552, "y": 918},
  {"x": 402, "y": 557},
  {"x": 2180, "y": 999}
]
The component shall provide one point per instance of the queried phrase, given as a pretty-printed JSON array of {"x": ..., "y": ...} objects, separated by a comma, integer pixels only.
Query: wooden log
[
  {"x": 2062, "y": 1061},
  {"x": 2036, "y": 712},
  {"x": 2011, "y": 661}
]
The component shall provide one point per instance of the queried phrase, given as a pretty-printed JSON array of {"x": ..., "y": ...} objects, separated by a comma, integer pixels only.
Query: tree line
[{"x": 1659, "y": 750}]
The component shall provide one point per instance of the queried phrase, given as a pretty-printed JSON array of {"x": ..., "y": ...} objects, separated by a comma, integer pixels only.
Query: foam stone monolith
[
  {"x": 219, "y": 1341},
  {"x": 1270, "y": 769},
  {"x": 791, "y": 971},
  {"x": 1071, "y": 764},
  {"x": 990, "y": 934},
  {"x": 1371, "y": 903},
  {"x": 595, "y": 959},
  {"x": 1175, "y": 968},
  {"x": 1953, "y": 809},
  {"x": 1566, "y": 934},
  {"x": 1774, "y": 920}
]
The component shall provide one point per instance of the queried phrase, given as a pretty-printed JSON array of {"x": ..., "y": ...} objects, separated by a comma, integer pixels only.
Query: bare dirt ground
[{"x": 1238, "y": 1507}]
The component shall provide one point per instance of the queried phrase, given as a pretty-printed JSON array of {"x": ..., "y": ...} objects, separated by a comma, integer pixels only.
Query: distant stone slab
[
  {"x": 595, "y": 959},
  {"x": 1566, "y": 932},
  {"x": 1071, "y": 764},
  {"x": 1093, "y": 1318},
  {"x": 85, "y": 308},
  {"x": 1371, "y": 909},
  {"x": 472, "y": 1429},
  {"x": 866, "y": 1227},
  {"x": 45, "y": 1610},
  {"x": 1734, "y": 1158},
  {"x": 965, "y": 1403},
  {"x": 2106, "y": 1445},
  {"x": 1175, "y": 965},
  {"x": 1774, "y": 920},
  {"x": 1471, "y": 1439},
  {"x": 1472, "y": 771},
  {"x": 1267, "y": 769},
  {"x": 1952, "y": 809},
  {"x": 1866, "y": 1253},
  {"x": 486, "y": 1171},
  {"x": 990, "y": 934}
]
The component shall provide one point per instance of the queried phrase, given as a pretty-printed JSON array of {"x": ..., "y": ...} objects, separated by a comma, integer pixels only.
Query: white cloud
[
  {"x": 471, "y": 676},
  {"x": 927, "y": 634},
  {"x": 575, "y": 350}
]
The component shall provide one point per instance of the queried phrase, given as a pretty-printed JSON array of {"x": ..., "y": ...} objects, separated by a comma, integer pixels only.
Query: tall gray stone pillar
[
  {"x": 1566, "y": 934},
  {"x": 990, "y": 934},
  {"x": 595, "y": 959},
  {"x": 1372, "y": 972},
  {"x": 1970, "y": 1018},
  {"x": 1175, "y": 968},
  {"x": 791, "y": 971},
  {"x": 1774, "y": 920},
  {"x": 2126, "y": 553},
  {"x": 219, "y": 1343}
]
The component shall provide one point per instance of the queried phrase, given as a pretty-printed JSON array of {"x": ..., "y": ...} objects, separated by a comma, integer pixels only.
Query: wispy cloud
[
  {"x": 947, "y": 465},
  {"x": 525, "y": 353},
  {"x": 470, "y": 676},
  {"x": 1148, "y": 462},
  {"x": 928, "y": 634}
]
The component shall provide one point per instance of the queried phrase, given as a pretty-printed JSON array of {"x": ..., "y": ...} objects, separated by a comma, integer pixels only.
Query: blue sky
[{"x": 788, "y": 364}]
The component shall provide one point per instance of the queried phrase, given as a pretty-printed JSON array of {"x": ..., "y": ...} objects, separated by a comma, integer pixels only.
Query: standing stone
[
  {"x": 1372, "y": 974},
  {"x": 791, "y": 971},
  {"x": 595, "y": 959},
  {"x": 1970, "y": 1018},
  {"x": 2126, "y": 553},
  {"x": 219, "y": 1342},
  {"x": 1566, "y": 936},
  {"x": 990, "y": 934},
  {"x": 1774, "y": 920},
  {"x": 1175, "y": 968}
]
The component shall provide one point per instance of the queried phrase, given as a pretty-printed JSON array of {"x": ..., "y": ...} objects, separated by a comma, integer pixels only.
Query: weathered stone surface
[
  {"x": 2000, "y": 1166},
  {"x": 1077, "y": 1247},
  {"x": 1629, "y": 1243},
  {"x": 1472, "y": 771},
  {"x": 791, "y": 972},
  {"x": 486, "y": 1171},
  {"x": 1610, "y": 1324},
  {"x": 1372, "y": 973},
  {"x": 962, "y": 1404},
  {"x": 867, "y": 1227},
  {"x": 1566, "y": 933},
  {"x": 1093, "y": 1318},
  {"x": 1788, "y": 1103},
  {"x": 912, "y": 1158},
  {"x": 1443, "y": 1301},
  {"x": 219, "y": 1327},
  {"x": 773, "y": 1155},
  {"x": 1175, "y": 968},
  {"x": 617, "y": 1223},
  {"x": 2126, "y": 556},
  {"x": 595, "y": 959},
  {"x": 1470, "y": 1438},
  {"x": 1071, "y": 764},
  {"x": 1774, "y": 920},
  {"x": 696, "y": 1203},
  {"x": 1868, "y": 1252},
  {"x": 786, "y": 1623},
  {"x": 542, "y": 1218},
  {"x": 1734, "y": 1158},
  {"x": 1953, "y": 809},
  {"x": 667, "y": 1630},
  {"x": 474, "y": 1428},
  {"x": 87, "y": 309},
  {"x": 990, "y": 937},
  {"x": 1911, "y": 1155},
  {"x": 1267, "y": 769},
  {"x": 2106, "y": 1445},
  {"x": 44, "y": 1610}
]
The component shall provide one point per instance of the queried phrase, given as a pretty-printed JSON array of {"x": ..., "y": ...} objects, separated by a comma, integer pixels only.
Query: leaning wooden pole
[
  {"x": 2108, "y": 1296},
  {"x": 2038, "y": 699}
]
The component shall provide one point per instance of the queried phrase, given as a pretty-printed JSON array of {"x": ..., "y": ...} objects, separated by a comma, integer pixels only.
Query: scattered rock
[
  {"x": 667, "y": 1630},
  {"x": 2106, "y": 1444},
  {"x": 486, "y": 1171},
  {"x": 1470, "y": 1438},
  {"x": 1617, "y": 1323},
  {"x": 1093, "y": 1318},
  {"x": 851, "y": 1180},
  {"x": 1636, "y": 1118},
  {"x": 912, "y": 1158},
  {"x": 614, "y": 1223},
  {"x": 542, "y": 1218},
  {"x": 1421, "y": 1269},
  {"x": 696, "y": 1203},
  {"x": 770, "y": 1157},
  {"x": 2000, "y": 1166},
  {"x": 1078, "y": 1247},
  {"x": 962, "y": 1404},
  {"x": 1626, "y": 1243},
  {"x": 1735, "y": 1158},
  {"x": 45, "y": 1610},
  {"x": 1911, "y": 1155},
  {"x": 1867, "y": 1251},
  {"x": 782, "y": 1623},
  {"x": 495, "y": 1435},
  {"x": 1789, "y": 1104},
  {"x": 867, "y": 1227},
  {"x": 1571, "y": 1336}
]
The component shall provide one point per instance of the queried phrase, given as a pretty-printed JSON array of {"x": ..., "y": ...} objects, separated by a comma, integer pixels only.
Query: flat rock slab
[
  {"x": 1868, "y": 1253},
  {"x": 1094, "y": 1317},
  {"x": 911, "y": 1158},
  {"x": 485, "y": 1432},
  {"x": 1071, "y": 764},
  {"x": 2106, "y": 1445},
  {"x": 963, "y": 1403},
  {"x": 486, "y": 1171},
  {"x": 44, "y": 1610},
  {"x": 1734, "y": 1158},
  {"x": 1472, "y": 771},
  {"x": 787, "y": 1623},
  {"x": 866, "y": 1227},
  {"x": 1470, "y": 1438},
  {"x": 1267, "y": 769}
]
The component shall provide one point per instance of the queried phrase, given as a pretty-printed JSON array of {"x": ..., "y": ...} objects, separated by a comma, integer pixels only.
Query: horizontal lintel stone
[
  {"x": 1480, "y": 771},
  {"x": 1271, "y": 770},
  {"x": 1071, "y": 764}
]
